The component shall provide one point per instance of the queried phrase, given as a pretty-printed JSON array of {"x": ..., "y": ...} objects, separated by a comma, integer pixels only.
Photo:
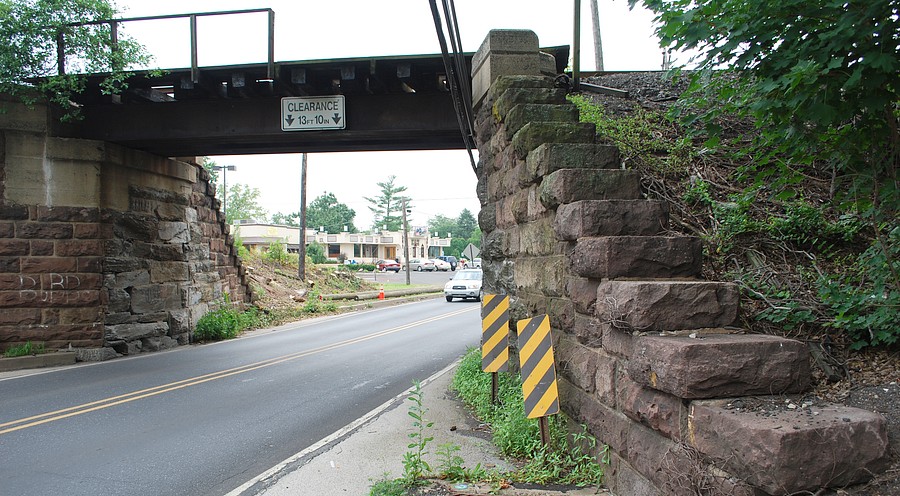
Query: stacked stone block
[
  {"x": 646, "y": 352},
  {"x": 102, "y": 248}
]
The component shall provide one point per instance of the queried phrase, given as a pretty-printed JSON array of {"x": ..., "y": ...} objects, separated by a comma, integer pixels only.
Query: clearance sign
[{"x": 315, "y": 113}]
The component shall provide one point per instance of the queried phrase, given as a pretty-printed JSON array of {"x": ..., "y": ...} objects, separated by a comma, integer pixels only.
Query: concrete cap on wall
[{"x": 504, "y": 52}]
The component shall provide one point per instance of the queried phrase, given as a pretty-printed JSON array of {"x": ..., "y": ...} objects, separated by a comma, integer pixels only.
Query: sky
[{"x": 439, "y": 182}]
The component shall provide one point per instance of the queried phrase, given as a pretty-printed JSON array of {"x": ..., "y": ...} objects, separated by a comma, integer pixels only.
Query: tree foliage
[
  {"x": 386, "y": 206},
  {"x": 821, "y": 81},
  {"x": 243, "y": 203},
  {"x": 324, "y": 211},
  {"x": 28, "y": 55}
]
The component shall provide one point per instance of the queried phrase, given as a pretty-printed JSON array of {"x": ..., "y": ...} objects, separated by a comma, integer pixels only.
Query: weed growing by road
[
  {"x": 568, "y": 459},
  {"x": 414, "y": 465},
  {"x": 25, "y": 349}
]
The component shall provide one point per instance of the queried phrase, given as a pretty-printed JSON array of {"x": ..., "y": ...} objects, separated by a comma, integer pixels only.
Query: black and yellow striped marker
[
  {"x": 495, "y": 333},
  {"x": 538, "y": 370}
]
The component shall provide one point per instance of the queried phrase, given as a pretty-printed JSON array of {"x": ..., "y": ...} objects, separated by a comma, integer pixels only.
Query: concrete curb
[{"x": 37, "y": 361}]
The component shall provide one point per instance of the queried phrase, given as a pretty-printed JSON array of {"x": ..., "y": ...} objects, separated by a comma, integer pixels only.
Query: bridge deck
[{"x": 392, "y": 103}]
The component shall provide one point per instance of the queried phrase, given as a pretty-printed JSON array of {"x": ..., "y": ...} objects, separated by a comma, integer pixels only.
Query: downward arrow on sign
[
  {"x": 337, "y": 118},
  {"x": 290, "y": 119}
]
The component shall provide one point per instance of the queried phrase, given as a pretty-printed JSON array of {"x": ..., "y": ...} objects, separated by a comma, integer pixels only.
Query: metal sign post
[
  {"x": 494, "y": 338},
  {"x": 536, "y": 361}
]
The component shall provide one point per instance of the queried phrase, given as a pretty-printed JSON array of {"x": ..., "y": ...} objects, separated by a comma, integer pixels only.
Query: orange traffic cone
[{"x": 381, "y": 293}]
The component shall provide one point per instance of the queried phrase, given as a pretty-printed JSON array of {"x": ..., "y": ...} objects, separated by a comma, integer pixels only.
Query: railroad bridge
[{"x": 112, "y": 244}]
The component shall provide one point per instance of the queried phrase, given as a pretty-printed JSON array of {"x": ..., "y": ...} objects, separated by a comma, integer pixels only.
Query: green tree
[
  {"x": 28, "y": 54},
  {"x": 327, "y": 211},
  {"x": 243, "y": 203},
  {"x": 386, "y": 207},
  {"x": 324, "y": 211},
  {"x": 441, "y": 225},
  {"x": 821, "y": 79},
  {"x": 466, "y": 224}
]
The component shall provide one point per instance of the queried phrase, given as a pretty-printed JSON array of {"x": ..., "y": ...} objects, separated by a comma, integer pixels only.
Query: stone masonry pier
[
  {"x": 646, "y": 352},
  {"x": 102, "y": 248}
]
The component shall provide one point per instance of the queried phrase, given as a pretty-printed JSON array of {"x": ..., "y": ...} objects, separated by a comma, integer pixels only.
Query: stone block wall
[
  {"x": 646, "y": 353},
  {"x": 102, "y": 248}
]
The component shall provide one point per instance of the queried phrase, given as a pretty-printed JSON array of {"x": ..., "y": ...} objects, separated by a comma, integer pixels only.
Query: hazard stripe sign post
[
  {"x": 494, "y": 338},
  {"x": 494, "y": 333},
  {"x": 536, "y": 360}
]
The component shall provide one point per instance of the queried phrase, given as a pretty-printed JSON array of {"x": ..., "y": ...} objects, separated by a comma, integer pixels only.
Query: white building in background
[{"x": 361, "y": 247}]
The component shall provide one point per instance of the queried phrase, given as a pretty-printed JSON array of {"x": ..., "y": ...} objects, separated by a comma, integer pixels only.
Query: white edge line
[{"x": 338, "y": 434}]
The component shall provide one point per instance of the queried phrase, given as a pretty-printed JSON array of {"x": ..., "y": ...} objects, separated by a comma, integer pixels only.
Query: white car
[
  {"x": 465, "y": 284},
  {"x": 441, "y": 265},
  {"x": 476, "y": 263}
]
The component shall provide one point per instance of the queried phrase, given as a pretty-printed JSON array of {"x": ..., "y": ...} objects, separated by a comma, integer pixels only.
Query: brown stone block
[
  {"x": 79, "y": 315},
  {"x": 637, "y": 256},
  {"x": 522, "y": 114},
  {"x": 605, "y": 423},
  {"x": 587, "y": 329},
  {"x": 720, "y": 365},
  {"x": 87, "y": 231},
  {"x": 791, "y": 451},
  {"x": 661, "y": 412},
  {"x": 14, "y": 247},
  {"x": 583, "y": 293},
  {"x": 43, "y": 248},
  {"x": 616, "y": 341},
  {"x": 667, "y": 305},
  {"x": 535, "y": 134},
  {"x": 43, "y": 230},
  {"x": 48, "y": 299},
  {"x": 67, "y": 214},
  {"x": 575, "y": 362},
  {"x": 551, "y": 157},
  {"x": 572, "y": 185},
  {"x": 20, "y": 316},
  {"x": 19, "y": 281},
  {"x": 622, "y": 478},
  {"x": 14, "y": 212},
  {"x": 90, "y": 264},
  {"x": 7, "y": 230},
  {"x": 49, "y": 264},
  {"x": 656, "y": 457},
  {"x": 79, "y": 248},
  {"x": 168, "y": 272},
  {"x": 9, "y": 264},
  {"x": 536, "y": 238},
  {"x": 514, "y": 97},
  {"x": 71, "y": 281},
  {"x": 611, "y": 218}
]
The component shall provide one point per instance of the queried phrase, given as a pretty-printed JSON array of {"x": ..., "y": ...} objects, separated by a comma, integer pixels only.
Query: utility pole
[
  {"x": 598, "y": 42},
  {"x": 576, "y": 47},
  {"x": 406, "y": 241},
  {"x": 301, "y": 248}
]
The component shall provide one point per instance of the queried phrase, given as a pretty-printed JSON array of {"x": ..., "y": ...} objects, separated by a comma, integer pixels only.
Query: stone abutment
[
  {"x": 102, "y": 248},
  {"x": 647, "y": 355}
]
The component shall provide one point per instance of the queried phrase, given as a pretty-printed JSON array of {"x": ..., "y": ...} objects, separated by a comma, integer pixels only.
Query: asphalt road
[{"x": 202, "y": 420}]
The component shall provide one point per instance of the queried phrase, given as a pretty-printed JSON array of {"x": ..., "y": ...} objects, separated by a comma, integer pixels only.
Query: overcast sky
[{"x": 439, "y": 182}]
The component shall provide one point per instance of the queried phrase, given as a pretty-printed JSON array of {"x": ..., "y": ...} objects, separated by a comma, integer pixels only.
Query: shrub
[
  {"x": 276, "y": 252},
  {"x": 316, "y": 253},
  {"x": 226, "y": 322}
]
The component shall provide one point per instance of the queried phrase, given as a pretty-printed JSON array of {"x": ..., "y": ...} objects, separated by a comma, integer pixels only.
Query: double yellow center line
[{"x": 24, "y": 423}]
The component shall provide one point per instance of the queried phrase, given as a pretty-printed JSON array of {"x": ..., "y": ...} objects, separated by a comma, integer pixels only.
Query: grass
[
  {"x": 569, "y": 459},
  {"x": 25, "y": 349}
]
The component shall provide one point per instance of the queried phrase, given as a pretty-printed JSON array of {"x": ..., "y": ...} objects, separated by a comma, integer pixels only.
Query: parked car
[
  {"x": 476, "y": 263},
  {"x": 450, "y": 260},
  {"x": 465, "y": 284},
  {"x": 441, "y": 265},
  {"x": 420, "y": 264},
  {"x": 386, "y": 265}
]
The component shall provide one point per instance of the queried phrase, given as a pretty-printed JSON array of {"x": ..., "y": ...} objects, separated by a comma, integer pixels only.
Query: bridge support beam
[{"x": 646, "y": 352}]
